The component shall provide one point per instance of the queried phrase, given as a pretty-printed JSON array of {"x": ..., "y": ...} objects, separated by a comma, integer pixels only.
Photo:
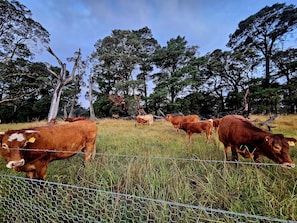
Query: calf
[
  {"x": 250, "y": 141},
  {"x": 176, "y": 120},
  {"x": 198, "y": 127},
  {"x": 75, "y": 119},
  {"x": 143, "y": 119}
]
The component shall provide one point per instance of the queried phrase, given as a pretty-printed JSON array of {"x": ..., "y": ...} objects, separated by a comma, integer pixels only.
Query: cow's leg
[
  {"x": 30, "y": 174},
  {"x": 234, "y": 154},
  {"x": 257, "y": 160},
  {"x": 190, "y": 136},
  {"x": 207, "y": 136},
  {"x": 90, "y": 150},
  {"x": 226, "y": 148},
  {"x": 41, "y": 168}
]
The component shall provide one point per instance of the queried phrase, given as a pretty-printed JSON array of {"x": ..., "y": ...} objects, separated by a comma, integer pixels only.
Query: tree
[
  {"x": 23, "y": 84},
  {"x": 92, "y": 112},
  {"x": 286, "y": 63},
  {"x": 147, "y": 46},
  {"x": 20, "y": 35},
  {"x": 226, "y": 74},
  {"x": 62, "y": 80},
  {"x": 173, "y": 61},
  {"x": 120, "y": 58},
  {"x": 264, "y": 33}
]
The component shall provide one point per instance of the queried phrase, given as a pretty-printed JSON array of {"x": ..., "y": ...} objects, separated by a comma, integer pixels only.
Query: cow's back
[
  {"x": 68, "y": 137},
  {"x": 235, "y": 129}
]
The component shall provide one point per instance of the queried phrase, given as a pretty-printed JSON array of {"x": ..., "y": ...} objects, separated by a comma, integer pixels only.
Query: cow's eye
[{"x": 4, "y": 146}]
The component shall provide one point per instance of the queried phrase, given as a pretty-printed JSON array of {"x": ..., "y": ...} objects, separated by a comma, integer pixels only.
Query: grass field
[{"x": 157, "y": 162}]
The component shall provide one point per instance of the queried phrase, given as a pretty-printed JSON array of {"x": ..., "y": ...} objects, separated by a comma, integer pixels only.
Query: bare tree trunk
[
  {"x": 92, "y": 112},
  {"x": 65, "y": 111},
  {"x": 55, "y": 103},
  {"x": 63, "y": 80},
  {"x": 71, "y": 112}
]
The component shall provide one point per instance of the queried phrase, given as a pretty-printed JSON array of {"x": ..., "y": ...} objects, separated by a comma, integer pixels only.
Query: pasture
[{"x": 157, "y": 162}]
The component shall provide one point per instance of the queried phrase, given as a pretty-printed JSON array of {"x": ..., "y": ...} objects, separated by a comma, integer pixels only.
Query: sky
[{"x": 75, "y": 24}]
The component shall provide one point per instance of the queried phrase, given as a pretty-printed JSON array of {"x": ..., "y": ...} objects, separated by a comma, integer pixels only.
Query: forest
[{"x": 129, "y": 70}]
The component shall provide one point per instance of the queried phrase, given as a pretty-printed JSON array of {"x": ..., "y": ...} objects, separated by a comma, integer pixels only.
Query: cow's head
[
  {"x": 276, "y": 148},
  {"x": 12, "y": 143},
  {"x": 168, "y": 118}
]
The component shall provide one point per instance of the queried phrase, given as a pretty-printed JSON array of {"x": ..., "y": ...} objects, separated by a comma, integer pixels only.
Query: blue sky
[{"x": 75, "y": 24}]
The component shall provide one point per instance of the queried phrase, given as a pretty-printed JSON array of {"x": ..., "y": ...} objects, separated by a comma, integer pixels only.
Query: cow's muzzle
[
  {"x": 14, "y": 164},
  {"x": 288, "y": 165}
]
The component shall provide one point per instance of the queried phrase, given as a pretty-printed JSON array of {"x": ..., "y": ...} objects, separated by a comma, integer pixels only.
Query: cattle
[
  {"x": 75, "y": 119},
  {"x": 243, "y": 137},
  {"x": 176, "y": 120},
  {"x": 53, "y": 121},
  {"x": 115, "y": 116},
  {"x": 143, "y": 119},
  {"x": 198, "y": 127},
  {"x": 216, "y": 123},
  {"x": 31, "y": 150}
]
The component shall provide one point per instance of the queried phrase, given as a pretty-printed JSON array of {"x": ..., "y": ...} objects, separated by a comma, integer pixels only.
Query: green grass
[{"x": 157, "y": 162}]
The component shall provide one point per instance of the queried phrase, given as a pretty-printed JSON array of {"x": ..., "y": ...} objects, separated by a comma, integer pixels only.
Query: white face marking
[
  {"x": 18, "y": 136},
  {"x": 13, "y": 164}
]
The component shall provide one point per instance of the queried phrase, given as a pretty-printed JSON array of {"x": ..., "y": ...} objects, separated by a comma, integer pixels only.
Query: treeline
[{"x": 258, "y": 74}]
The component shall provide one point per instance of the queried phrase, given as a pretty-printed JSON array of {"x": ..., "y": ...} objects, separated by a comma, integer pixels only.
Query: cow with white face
[{"x": 31, "y": 150}]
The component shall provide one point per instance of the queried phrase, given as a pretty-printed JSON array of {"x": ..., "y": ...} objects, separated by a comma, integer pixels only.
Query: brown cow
[
  {"x": 53, "y": 121},
  {"x": 243, "y": 137},
  {"x": 198, "y": 127},
  {"x": 31, "y": 150},
  {"x": 75, "y": 119},
  {"x": 216, "y": 123},
  {"x": 176, "y": 120}
]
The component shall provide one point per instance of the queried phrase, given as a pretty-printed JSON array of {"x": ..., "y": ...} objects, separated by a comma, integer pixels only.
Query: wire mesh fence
[{"x": 26, "y": 200}]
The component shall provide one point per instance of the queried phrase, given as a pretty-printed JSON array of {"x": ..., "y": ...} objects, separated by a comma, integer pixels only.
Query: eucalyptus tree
[
  {"x": 174, "y": 64},
  {"x": 20, "y": 35},
  {"x": 62, "y": 79},
  {"x": 265, "y": 32},
  {"x": 73, "y": 89}
]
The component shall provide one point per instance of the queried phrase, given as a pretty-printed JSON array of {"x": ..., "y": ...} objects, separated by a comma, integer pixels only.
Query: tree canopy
[{"x": 133, "y": 66}]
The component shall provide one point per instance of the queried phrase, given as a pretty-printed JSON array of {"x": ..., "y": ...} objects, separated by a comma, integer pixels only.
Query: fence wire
[
  {"x": 27, "y": 200},
  {"x": 150, "y": 157}
]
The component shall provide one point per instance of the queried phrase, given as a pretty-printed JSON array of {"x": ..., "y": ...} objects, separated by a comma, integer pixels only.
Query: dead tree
[
  {"x": 266, "y": 123},
  {"x": 92, "y": 112},
  {"x": 63, "y": 80}
]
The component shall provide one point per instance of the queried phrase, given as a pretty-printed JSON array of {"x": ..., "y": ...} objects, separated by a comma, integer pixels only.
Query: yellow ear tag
[
  {"x": 291, "y": 143},
  {"x": 32, "y": 140}
]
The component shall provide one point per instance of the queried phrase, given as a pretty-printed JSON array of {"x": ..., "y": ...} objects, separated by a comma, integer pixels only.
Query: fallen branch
[{"x": 266, "y": 123}]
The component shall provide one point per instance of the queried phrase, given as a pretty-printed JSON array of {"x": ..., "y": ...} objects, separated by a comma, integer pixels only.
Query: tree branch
[
  {"x": 18, "y": 97},
  {"x": 52, "y": 72},
  {"x": 52, "y": 53},
  {"x": 70, "y": 78}
]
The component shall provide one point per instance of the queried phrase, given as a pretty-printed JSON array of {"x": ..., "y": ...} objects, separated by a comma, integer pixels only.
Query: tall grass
[{"x": 158, "y": 162}]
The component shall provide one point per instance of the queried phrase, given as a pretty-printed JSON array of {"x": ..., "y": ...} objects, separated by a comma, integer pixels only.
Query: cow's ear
[
  {"x": 1, "y": 135},
  {"x": 31, "y": 135}
]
